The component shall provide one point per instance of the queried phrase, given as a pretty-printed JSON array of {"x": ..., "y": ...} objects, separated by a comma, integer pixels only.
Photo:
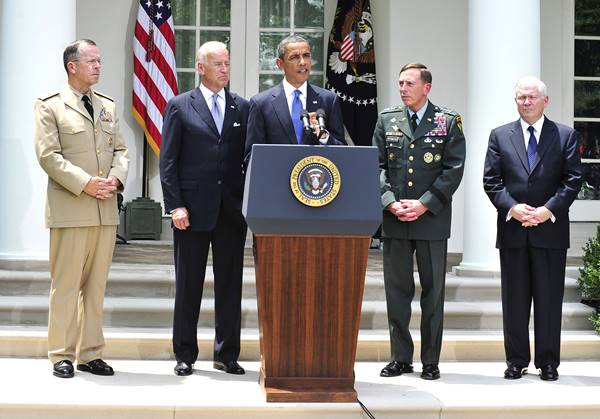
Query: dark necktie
[
  {"x": 296, "y": 110},
  {"x": 413, "y": 122},
  {"x": 88, "y": 105},
  {"x": 216, "y": 113},
  {"x": 531, "y": 147}
]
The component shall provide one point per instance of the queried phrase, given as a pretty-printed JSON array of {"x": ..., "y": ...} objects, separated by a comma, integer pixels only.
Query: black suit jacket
[
  {"x": 200, "y": 169},
  {"x": 553, "y": 182},
  {"x": 269, "y": 121}
]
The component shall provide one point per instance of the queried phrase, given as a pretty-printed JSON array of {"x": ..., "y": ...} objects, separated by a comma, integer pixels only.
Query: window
[
  {"x": 587, "y": 93},
  {"x": 196, "y": 22},
  {"x": 280, "y": 18}
]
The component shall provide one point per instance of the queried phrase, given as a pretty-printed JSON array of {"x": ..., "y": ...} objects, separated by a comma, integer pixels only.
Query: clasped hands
[
  {"x": 102, "y": 188},
  {"x": 529, "y": 216},
  {"x": 407, "y": 209},
  {"x": 180, "y": 218}
]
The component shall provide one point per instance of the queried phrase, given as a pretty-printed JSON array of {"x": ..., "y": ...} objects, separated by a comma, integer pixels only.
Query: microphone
[
  {"x": 321, "y": 118},
  {"x": 304, "y": 117}
]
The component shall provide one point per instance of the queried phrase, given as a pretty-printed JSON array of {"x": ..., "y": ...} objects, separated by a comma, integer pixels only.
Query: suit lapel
[
  {"x": 547, "y": 136},
  {"x": 231, "y": 113},
  {"x": 518, "y": 142},
  {"x": 281, "y": 109},
  {"x": 199, "y": 104},
  {"x": 313, "y": 100},
  {"x": 73, "y": 102}
]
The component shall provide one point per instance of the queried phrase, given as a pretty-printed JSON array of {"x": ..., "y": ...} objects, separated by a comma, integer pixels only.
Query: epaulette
[
  {"x": 393, "y": 109},
  {"x": 446, "y": 110},
  {"x": 43, "y": 99},
  {"x": 104, "y": 96}
]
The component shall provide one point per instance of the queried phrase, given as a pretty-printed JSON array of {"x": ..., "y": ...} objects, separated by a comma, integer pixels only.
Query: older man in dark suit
[
  {"x": 201, "y": 159},
  {"x": 275, "y": 113},
  {"x": 532, "y": 175}
]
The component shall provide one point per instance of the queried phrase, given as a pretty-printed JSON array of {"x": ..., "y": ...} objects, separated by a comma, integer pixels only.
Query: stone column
[
  {"x": 503, "y": 46},
  {"x": 33, "y": 35}
]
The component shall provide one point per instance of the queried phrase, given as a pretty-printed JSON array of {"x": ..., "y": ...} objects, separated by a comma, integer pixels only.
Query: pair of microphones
[{"x": 305, "y": 118}]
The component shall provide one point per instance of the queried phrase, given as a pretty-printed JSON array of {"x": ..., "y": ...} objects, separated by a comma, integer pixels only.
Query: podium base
[{"x": 308, "y": 389}]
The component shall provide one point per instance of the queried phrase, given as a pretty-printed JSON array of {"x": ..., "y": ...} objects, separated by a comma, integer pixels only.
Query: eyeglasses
[
  {"x": 91, "y": 63},
  {"x": 524, "y": 98}
]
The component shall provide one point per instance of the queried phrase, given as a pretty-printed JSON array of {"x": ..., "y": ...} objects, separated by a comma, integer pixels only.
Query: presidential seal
[{"x": 315, "y": 181}]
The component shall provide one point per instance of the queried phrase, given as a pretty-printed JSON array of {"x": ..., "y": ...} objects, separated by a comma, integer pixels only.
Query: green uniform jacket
[{"x": 427, "y": 166}]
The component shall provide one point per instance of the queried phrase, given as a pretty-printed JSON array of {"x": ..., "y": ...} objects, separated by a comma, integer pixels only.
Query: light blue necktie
[
  {"x": 296, "y": 110},
  {"x": 216, "y": 113},
  {"x": 531, "y": 147}
]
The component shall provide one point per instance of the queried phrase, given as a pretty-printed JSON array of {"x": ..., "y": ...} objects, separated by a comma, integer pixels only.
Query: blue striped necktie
[
  {"x": 531, "y": 147},
  {"x": 296, "y": 110}
]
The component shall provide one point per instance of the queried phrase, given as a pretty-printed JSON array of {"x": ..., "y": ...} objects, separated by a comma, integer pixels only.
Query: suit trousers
[
  {"x": 80, "y": 259},
  {"x": 227, "y": 241},
  {"x": 400, "y": 290},
  {"x": 537, "y": 274}
]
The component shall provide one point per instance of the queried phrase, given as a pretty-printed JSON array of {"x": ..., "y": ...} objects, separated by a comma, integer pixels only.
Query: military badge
[
  {"x": 427, "y": 140},
  {"x": 315, "y": 181},
  {"x": 437, "y": 157},
  {"x": 439, "y": 140},
  {"x": 458, "y": 123},
  {"x": 428, "y": 157},
  {"x": 105, "y": 116},
  {"x": 391, "y": 156},
  {"x": 110, "y": 141}
]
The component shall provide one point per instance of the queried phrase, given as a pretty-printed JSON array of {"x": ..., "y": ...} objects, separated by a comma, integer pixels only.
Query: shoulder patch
[
  {"x": 43, "y": 99},
  {"x": 104, "y": 96}
]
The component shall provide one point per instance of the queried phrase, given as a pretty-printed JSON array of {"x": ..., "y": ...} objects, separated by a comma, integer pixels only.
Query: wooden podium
[{"x": 310, "y": 267}]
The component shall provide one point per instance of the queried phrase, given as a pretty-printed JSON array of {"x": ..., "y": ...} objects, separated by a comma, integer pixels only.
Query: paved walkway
[{"x": 149, "y": 389}]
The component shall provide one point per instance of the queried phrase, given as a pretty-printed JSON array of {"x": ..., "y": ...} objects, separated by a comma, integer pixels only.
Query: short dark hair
[
  {"x": 425, "y": 73},
  {"x": 71, "y": 52},
  {"x": 289, "y": 40}
]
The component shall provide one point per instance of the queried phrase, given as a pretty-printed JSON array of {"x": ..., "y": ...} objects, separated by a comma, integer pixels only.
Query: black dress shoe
[
  {"x": 230, "y": 367},
  {"x": 430, "y": 372},
  {"x": 63, "y": 369},
  {"x": 395, "y": 368},
  {"x": 548, "y": 373},
  {"x": 514, "y": 372},
  {"x": 96, "y": 367},
  {"x": 183, "y": 368}
]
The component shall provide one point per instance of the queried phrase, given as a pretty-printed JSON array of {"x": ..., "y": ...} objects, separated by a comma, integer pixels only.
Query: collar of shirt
[
  {"x": 208, "y": 96},
  {"x": 419, "y": 113},
  {"x": 289, "y": 93},
  {"x": 537, "y": 129},
  {"x": 79, "y": 94}
]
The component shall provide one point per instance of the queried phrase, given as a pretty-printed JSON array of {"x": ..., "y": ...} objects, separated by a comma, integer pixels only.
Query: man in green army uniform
[{"x": 421, "y": 161}]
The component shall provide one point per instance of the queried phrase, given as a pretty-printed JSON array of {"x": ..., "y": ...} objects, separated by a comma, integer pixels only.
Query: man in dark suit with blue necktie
[
  {"x": 275, "y": 113},
  {"x": 532, "y": 174},
  {"x": 201, "y": 158}
]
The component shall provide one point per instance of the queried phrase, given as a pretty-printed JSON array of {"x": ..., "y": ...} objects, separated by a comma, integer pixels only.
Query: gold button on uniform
[
  {"x": 98, "y": 150},
  {"x": 412, "y": 146},
  {"x": 410, "y": 183},
  {"x": 95, "y": 131},
  {"x": 411, "y": 158},
  {"x": 410, "y": 170},
  {"x": 101, "y": 172}
]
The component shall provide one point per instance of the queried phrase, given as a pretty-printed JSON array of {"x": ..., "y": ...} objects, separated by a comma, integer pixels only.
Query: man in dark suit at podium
[
  {"x": 532, "y": 175},
  {"x": 202, "y": 151},
  {"x": 421, "y": 160},
  {"x": 275, "y": 113}
]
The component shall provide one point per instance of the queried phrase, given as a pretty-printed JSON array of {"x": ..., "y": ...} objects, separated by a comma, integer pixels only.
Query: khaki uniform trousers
[{"x": 80, "y": 259}]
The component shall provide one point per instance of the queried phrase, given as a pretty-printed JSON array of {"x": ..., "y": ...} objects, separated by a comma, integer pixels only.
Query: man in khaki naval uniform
[
  {"x": 421, "y": 160},
  {"x": 79, "y": 146}
]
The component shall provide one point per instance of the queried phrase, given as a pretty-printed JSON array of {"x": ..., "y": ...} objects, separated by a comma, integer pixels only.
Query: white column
[
  {"x": 504, "y": 45},
  {"x": 33, "y": 35}
]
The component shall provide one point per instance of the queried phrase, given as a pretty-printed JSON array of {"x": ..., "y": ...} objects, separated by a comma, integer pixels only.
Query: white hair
[
  {"x": 208, "y": 47},
  {"x": 529, "y": 80}
]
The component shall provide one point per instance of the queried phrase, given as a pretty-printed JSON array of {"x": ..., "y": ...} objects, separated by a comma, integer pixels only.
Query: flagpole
[{"x": 145, "y": 169}]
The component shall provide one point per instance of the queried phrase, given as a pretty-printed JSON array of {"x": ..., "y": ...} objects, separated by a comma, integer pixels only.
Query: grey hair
[
  {"x": 541, "y": 86},
  {"x": 292, "y": 39},
  {"x": 208, "y": 47},
  {"x": 71, "y": 52}
]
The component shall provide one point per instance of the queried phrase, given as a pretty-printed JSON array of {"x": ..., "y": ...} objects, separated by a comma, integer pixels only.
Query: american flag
[{"x": 154, "y": 68}]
